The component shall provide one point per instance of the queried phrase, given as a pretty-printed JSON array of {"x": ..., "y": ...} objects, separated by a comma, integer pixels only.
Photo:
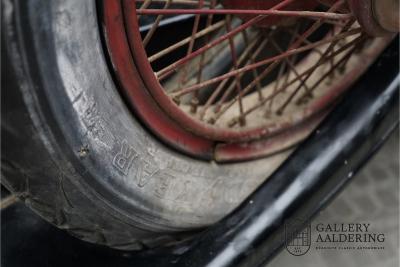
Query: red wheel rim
[{"x": 172, "y": 124}]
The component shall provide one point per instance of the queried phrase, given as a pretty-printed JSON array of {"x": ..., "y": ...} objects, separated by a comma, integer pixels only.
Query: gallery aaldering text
[{"x": 347, "y": 232}]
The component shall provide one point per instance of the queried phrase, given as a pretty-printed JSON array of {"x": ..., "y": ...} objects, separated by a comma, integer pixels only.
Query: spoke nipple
[
  {"x": 328, "y": 81},
  {"x": 242, "y": 121},
  {"x": 201, "y": 115},
  {"x": 304, "y": 99},
  {"x": 211, "y": 121},
  {"x": 217, "y": 109},
  {"x": 301, "y": 101},
  {"x": 232, "y": 122},
  {"x": 177, "y": 100},
  {"x": 342, "y": 69},
  {"x": 193, "y": 105}
]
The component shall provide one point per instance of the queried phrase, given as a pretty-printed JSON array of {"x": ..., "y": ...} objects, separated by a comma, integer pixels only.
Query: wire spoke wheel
[
  {"x": 154, "y": 119},
  {"x": 248, "y": 78}
]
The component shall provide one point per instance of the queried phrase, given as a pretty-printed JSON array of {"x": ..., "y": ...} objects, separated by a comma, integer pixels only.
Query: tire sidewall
[{"x": 97, "y": 142}]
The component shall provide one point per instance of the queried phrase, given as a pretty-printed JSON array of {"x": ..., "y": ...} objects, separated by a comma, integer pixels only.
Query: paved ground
[{"x": 373, "y": 197}]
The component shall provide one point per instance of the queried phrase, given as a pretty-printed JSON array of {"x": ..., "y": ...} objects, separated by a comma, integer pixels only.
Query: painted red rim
[
  {"x": 178, "y": 128},
  {"x": 144, "y": 106}
]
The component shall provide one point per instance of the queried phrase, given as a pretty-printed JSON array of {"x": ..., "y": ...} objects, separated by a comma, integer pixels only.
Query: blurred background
[{"x": 372, "y": 197}]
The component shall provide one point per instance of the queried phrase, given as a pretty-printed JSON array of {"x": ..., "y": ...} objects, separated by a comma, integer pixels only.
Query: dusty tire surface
[{"x": 75, "y": 154}]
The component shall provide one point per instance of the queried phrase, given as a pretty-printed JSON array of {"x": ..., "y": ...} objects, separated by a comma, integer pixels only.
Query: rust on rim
[{"x": 245, "y": 79}]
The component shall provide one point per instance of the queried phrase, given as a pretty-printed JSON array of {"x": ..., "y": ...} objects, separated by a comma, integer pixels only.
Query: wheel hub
[
  {"x": 387, "y": 14},
  {"x": 377, "y": 17}
]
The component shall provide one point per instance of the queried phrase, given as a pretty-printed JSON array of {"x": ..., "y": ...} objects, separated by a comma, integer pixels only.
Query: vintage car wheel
[{"x": 132, "y": 124}]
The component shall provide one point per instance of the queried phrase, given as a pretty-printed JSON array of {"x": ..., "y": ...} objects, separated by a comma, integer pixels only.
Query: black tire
[{"x": 64, "y": 126}]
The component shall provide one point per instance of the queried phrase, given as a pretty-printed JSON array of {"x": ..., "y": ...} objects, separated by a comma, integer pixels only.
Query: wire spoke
[
  {"x": 232, "y": 58},
  {"x": 291, "y": 65},
  {"x": 146, "y": 4},
  {"x": 254, "y": 83},
  {"x": 162, "y": 74},
  {"x": 234, "y": 121},
  {"x": 235, "y": 67},
  {"x": 283, "y": 67},
  {"x": 245, "y": 55},
  {"x": 209, "y": 21},
  {"x": 185, "y": 41},
  {"x": 267, "y": 61},
  {"x": 283, "y": 88},
  {"x": 178, "y": 2},
  {"x": 330, "y": 48},
  {"x": 154, "y": 27},
  {"x": 183, "y": 77},
  {"x": 283, "y": 13},
  {"x": 252, "y": 61}
]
